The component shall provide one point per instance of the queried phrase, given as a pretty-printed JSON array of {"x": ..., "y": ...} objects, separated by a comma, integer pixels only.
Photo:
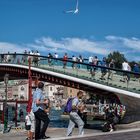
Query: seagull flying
[{"x": 74, "y": 11}]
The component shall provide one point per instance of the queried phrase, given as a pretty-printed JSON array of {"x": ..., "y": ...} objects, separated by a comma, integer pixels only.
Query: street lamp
[{"x": 6, "y": 78}]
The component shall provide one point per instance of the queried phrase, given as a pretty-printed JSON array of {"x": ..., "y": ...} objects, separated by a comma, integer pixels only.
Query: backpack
[
  {"x": 106, "y": 127},
  {"x": 68, "y": 107}
]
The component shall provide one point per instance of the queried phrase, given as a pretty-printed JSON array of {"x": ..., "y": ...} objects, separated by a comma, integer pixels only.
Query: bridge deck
[
  {"x": 81, "y": 71},
  {"x": 117, "y": 80}
]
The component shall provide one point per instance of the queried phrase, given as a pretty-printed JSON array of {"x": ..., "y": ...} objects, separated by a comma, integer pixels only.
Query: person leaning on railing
[{"x": 110, "y": 72}]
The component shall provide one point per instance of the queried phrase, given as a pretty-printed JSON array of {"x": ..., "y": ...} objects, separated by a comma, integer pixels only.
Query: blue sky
[{"x": 100, "y": 27}]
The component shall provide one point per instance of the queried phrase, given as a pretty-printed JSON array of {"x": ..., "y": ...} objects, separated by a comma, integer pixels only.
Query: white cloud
[
  {"x": 130, "y": 47},
  {"x": 9, "y": 47},
  {"x": 72, "y": 44},
  {"x": 128, "y": 43}
]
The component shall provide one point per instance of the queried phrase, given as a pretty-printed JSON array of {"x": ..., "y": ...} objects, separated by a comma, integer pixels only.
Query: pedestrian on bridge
[{"x": 65, "y": 58}]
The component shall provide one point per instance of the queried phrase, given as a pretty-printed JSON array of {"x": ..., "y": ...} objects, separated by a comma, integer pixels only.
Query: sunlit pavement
[{"x": 90, "y": 134}]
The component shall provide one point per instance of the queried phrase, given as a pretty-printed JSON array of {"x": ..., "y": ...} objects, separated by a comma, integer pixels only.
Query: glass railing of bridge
[{"x": 117, "y": 78}]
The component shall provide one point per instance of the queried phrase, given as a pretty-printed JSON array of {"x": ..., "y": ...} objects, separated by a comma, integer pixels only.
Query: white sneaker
[{"x": 111, "y": 130}]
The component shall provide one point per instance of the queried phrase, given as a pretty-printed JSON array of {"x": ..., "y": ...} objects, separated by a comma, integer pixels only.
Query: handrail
[
  {"x": 61, "y": 59},
  {"x": 83, "y": 70}
]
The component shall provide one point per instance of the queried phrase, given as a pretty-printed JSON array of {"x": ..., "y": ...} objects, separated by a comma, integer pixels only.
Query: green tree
[{"x": 117, "y": 57}]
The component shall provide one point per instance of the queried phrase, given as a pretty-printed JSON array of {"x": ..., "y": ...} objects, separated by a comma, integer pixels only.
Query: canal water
[
  {"x": 62, "y": 122},
  {"x": 56, "y": 120}
]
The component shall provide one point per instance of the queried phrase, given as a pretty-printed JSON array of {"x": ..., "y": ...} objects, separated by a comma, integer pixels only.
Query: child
[
  {"x": 32, "y": 130},
  {"x": 28, "y": 125}
]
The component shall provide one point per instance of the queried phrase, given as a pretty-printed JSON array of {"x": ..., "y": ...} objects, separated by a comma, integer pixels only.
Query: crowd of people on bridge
[{"x": 76, "y": 63}]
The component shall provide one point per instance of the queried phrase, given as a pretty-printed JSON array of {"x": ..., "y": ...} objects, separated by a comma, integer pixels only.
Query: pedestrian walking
[
  {"x": 74, "y": 117},
  {"x": 65, "y": 58},
  {"x": 126, "y": 75},
  {"x": 136, "y": 69},
  {"x": 40, "y": 115},
  {"x": 110, "y": 72},
  {"x": 94, "y": 63},
  {"x": 103, "y": 69}
]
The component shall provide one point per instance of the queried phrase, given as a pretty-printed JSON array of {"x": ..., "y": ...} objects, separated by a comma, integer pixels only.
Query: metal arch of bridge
[{"x": 21, "y": 73}]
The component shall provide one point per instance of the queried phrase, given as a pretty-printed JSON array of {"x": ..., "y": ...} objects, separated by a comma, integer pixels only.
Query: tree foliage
[{"x": 117, "y": 57}]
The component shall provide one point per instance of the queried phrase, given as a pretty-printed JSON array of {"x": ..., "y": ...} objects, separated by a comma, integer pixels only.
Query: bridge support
[{"x": 132, "y": 105}]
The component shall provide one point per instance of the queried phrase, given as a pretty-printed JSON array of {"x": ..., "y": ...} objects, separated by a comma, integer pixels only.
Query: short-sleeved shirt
[
  {"x": 65, "y": 58},
  {"x": 37, "y": 95},
  {"x": 90, "y": 59},
  {"x": 32, "y": 117},
  {"x": 28, "y": 120},
  {"x": 75, "y": 102},
  {"x": 125, "y": 66}
]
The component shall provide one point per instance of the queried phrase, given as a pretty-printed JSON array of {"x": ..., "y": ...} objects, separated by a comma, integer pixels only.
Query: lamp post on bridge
[
  {"x": 30, "y": 83},
  {"x": 6, "y": 78}
]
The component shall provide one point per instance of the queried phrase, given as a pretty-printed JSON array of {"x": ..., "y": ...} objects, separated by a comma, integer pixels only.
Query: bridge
[{"x": 77, "y": 75}]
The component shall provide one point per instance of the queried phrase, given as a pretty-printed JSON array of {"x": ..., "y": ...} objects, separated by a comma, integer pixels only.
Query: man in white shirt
[
  {"x": 74, "y": 59},
  {"x": 126, "y": 67},
  {"x": 90, "y": 60},
  {"x": 56, "y": 56}
]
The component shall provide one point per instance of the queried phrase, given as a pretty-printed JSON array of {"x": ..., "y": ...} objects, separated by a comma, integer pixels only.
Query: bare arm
[
  {"x": 75, "y": 107},
  {"x": 38, "y": 102},
  {"x": 47, "y": 110}
]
